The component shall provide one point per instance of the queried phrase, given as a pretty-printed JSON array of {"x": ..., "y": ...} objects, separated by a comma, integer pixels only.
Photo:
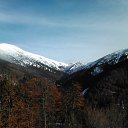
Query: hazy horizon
[{"x": 68, "y": 30}]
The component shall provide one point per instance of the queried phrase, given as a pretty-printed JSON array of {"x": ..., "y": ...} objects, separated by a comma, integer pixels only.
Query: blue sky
[{"x": 65, "y": 30}]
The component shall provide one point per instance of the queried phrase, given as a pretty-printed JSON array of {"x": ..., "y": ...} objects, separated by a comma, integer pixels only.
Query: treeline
[{"x": 35, "y": 102}]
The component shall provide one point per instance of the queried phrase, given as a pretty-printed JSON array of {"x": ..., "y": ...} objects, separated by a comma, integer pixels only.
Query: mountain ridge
[
  {"x": 109, "y": 59},
  {"x": 16, "y": 55},
  {"x": 93, "y": 69}
]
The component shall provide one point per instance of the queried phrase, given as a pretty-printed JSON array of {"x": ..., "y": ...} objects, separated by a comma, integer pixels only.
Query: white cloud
[
  {"x": 27, "y": 19},
  {"x": 24, "y": 19}
]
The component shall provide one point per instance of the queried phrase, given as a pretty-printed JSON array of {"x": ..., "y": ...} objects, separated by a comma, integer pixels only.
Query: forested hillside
[{"x": 33, "y": 98}]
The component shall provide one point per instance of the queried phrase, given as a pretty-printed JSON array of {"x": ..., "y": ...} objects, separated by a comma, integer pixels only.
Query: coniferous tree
[{"x": 73, "y": 105}]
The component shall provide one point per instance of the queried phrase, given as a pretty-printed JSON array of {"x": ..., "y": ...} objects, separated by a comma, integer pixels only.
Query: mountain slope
[
  {"x": 105, "y": 87},
  {"x": 97, "y": 65},
  {"x": 84, "y": 73},
  {"x": 16, "y": 55}
]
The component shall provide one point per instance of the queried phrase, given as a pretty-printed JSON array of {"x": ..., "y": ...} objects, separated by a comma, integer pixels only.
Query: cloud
[
  {"x": 27, "y": 19},
  {"x": 95, "y": 22},
  {"x": 24, "y": 19},
  {"x": 34, "y": 20}
]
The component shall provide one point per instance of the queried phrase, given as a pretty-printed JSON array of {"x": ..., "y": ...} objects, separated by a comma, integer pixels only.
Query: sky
[{"x": 65, "y": 30}]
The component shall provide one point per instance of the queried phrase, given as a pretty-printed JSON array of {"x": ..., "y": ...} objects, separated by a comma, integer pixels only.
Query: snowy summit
[{"x": 16, "y": 55}]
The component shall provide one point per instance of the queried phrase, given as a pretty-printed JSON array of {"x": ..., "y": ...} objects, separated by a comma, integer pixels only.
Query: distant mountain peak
[
  {"x": 71, "y": 67},
  {"x": 14, "y": 54},
  {"x": 97, "y": 66}
]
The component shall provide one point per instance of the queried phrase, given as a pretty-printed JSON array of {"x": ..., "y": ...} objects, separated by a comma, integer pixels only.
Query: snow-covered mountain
[
  {"x": 16, "y": 55},
  {"x": 72, "y": 67},
  {"x": 98, "y": 65}
]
